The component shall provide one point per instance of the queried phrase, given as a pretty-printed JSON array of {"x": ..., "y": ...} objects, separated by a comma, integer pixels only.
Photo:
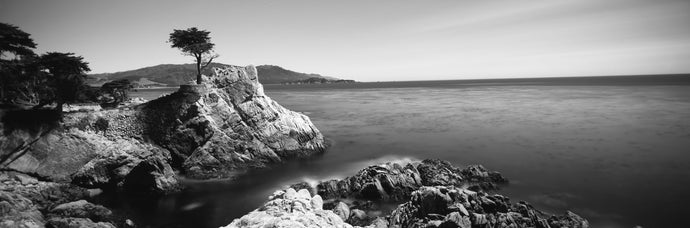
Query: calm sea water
[{"x": 617, "y": 155}]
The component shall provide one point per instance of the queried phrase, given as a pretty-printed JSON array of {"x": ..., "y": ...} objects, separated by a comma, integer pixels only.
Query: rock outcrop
[
  {"x": 217, "y": 129},
  {"x": 395, "y": 182},
  {"x": 431, "y": 193},
  {"x": 28, "y": 202},
  {"x": 288, "y": 209},
  {"x": 227, "y": 125},
  {"x": 449, "y": 206}
]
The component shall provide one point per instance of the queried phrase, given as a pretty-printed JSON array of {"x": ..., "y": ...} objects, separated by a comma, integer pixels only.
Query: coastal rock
[
  {"x": 434, "y": 194},
  {"x": 28, "y": 202},
  {"x": 434, "y": 206},
  {"x": 342, "y": 210},
  {"x": 223, "y": 127},
  {"x": 18, "y": 211},
  {"x": 82, "y": 209},
  {"x": 289, "y": 209},
  {"x": 131, "y": 164},
  {"x": 396, "y": 182},
  {"x": 359, "y": 218},
  {"x": 228, "y": 125}
]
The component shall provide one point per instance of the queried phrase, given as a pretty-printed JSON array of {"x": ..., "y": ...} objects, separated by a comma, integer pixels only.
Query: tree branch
[{"x": 207, "y": 63}]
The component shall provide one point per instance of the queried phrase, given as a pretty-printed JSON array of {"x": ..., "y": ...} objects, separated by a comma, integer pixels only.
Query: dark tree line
[{"x": 27, "y": 78}]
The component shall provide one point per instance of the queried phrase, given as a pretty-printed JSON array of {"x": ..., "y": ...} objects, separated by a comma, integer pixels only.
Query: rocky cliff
[
  {"x": 217, "y": 129},
  {"x": 224, "y": 126}
]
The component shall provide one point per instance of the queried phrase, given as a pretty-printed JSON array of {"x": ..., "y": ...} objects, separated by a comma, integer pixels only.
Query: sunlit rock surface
[
  {"x": 228, "y": 124},
  {"x": 290, "y": 208}
]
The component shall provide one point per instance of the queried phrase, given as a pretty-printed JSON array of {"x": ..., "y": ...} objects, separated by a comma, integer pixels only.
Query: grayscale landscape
[{"x": 301, "y": 113}]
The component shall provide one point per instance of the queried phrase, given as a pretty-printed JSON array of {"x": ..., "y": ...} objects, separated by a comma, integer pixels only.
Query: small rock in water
[{"x": 129, "y": 223}]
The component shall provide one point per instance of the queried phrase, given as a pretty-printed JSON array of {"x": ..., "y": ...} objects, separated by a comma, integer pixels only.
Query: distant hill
[{"x": 176, "y": 74}]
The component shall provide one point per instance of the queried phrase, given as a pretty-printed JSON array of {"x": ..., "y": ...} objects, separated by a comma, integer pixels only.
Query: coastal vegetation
[
  {"x": 27, "y": 78},
  {"x": 195, "y": 43}
]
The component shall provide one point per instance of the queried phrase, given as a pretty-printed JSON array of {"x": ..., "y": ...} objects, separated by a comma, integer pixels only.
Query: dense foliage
[
  {"x": 115, "y": 92},
  {"x": 195, "y": 43},
  {"x": 29, "y": 79}
]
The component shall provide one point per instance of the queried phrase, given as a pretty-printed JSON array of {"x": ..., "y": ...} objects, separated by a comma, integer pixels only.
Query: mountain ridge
[{"x": 178, "y": 74}]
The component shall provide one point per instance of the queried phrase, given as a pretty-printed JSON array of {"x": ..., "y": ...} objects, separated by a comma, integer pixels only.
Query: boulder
[
  {"x": 290, "y": 208},
  {"x": 342, "y": 210},
  {"x": 359, "y": 218},
  {"x": 82, "y": 209}
]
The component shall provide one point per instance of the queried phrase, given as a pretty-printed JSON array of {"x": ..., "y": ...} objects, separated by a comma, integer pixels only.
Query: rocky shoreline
[
  {"x": 219, "y": 129},
  {"x": 433, "y": 194},
  {"x": 51, "y": 169}
]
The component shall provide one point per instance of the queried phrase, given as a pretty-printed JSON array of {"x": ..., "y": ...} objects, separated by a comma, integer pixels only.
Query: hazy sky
[{"x": 375, "y": 40}]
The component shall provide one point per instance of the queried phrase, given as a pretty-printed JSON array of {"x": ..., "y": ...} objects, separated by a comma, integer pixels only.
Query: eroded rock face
[{"x": 228, "y": 125}]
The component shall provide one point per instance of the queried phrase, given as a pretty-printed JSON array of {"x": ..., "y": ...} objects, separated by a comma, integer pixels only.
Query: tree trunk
[
  {"x": 59, "y": 105},
  {"x": 198, "y": 70}
]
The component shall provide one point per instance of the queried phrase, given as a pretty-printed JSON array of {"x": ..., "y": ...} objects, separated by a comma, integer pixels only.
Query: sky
[{"x": 383, "y": 40}]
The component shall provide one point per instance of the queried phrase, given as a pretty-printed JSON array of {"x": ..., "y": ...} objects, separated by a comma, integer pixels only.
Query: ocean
[{"x": 613, "y": 150}]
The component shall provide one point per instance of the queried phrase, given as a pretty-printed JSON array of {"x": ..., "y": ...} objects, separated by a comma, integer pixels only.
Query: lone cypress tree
[{"x": 195, "y": 43}]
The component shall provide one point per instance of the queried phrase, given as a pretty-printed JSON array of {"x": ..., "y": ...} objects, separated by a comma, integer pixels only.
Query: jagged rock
[
  {"x": 44, "y": 195},
  {"x": 342, "y": 210},
  {"x": 449, "y": 205},
  {"x": 23, "y": 198},
  {"x": 289, "y": 209},
  {"x": 427, "y": 203},
  {"x": 454, "y": 219},
  {"x": 359, "y": 218},
  {"x": 152, "y": 175},
  {"x": 439, "y": 173},
  {"x": 134, "y": 165},
  {"x": 18, "y": 211},
  {"x": 395, "y": 182},
  {"x": 227, "y": 125},
  {"x": 379, "y": 223}
]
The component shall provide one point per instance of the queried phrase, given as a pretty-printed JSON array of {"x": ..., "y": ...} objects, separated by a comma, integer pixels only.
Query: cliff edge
[{"x": 217, "y": 129}]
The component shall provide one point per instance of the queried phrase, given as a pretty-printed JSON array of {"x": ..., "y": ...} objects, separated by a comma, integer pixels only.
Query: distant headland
[{"x": 172, "y": 75}]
